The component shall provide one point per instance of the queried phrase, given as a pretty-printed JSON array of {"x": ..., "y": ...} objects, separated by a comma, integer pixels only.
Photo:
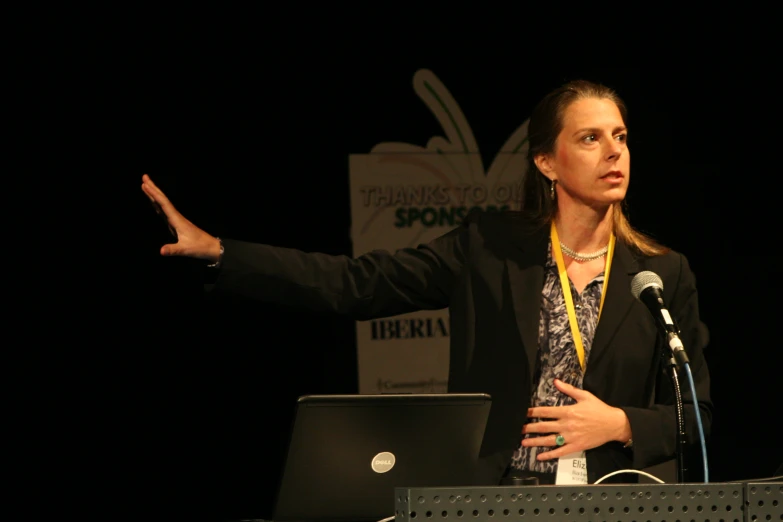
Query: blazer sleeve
[
  {"x": 376, "y": 284},
  {"x": 654, "y": 429}
]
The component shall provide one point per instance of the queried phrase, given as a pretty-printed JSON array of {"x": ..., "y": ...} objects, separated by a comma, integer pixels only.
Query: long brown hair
[{"x": 546, "y": 122}]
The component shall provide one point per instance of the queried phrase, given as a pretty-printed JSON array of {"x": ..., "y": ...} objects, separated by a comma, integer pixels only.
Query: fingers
[
  {"x": 191, "y": 241},
  {"x": 144, "y": 189},
  {"x": 556, "y": 453},
  {"x": 543, "y": 440},
  {"x": 151, "y": 195},
  {"x": 572, "y": 391},
  {"x": 145, "y": 179},
  {"x": 541, "y": 427},
  {"x": 158, "y": 197},
  {"x": 152, "y": 201},
  {"x": 158, "y": 200},
  {"x": 550, "y": 441},
  {"x": 547, "y": 412},
  {"x": 145, "y": 182},
  {"x": 153, "y": 192},
  {"x": 159, "y": 211}
]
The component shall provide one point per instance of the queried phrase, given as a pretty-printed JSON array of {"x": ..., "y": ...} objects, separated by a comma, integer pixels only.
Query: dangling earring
[{"x": 552, "y": 189}]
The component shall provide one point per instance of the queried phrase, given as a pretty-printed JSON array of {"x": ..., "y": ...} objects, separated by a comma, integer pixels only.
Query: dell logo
[{"x": 382, "y": 462}]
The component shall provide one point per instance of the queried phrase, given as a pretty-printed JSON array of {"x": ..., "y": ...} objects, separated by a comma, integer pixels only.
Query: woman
[{"x": 525, "y": 291}]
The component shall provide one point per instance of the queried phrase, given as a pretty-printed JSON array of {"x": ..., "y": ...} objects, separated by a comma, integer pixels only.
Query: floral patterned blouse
[{"x": 557, "y": 356}]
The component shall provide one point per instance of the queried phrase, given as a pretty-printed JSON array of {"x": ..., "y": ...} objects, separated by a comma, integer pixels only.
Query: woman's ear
[{"x": 545, "y": 166}]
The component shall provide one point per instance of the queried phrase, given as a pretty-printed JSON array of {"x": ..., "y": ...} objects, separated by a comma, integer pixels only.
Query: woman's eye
[
  {"x": 621, "y": 137},
  {"x": 589, "y": 138}
]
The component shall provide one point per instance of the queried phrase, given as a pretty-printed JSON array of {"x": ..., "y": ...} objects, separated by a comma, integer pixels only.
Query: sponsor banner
[{"x": 403, "y": 195}]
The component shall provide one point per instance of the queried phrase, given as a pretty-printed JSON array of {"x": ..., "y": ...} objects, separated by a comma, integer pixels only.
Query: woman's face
[{"x": 591, "y": 161}]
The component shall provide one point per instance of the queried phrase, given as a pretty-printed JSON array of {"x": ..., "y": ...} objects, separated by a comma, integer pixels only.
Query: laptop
[{"x": 347, "y": 453}]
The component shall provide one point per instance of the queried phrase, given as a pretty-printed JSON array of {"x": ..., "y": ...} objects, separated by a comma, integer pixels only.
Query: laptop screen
[{"x": 347, "y": 453}]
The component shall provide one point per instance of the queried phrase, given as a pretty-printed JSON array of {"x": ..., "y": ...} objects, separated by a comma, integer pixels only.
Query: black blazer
[{"x": 490, "y": 275}]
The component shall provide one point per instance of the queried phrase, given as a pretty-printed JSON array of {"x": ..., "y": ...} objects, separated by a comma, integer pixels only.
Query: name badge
[{"x": 572, "y": 469}]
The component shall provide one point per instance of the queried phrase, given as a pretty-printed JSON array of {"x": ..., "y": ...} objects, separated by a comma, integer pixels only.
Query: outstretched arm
[{"x": 376, "y": 284}]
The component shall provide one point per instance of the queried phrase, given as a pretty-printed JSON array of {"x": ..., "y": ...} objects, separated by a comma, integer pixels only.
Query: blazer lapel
[
  {"x": 618, "y": 301},
  {"x": 526, "y": 280}
]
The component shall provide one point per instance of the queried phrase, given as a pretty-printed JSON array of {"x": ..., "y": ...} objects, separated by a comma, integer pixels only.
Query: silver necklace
[{"x": 583, "y": 257}]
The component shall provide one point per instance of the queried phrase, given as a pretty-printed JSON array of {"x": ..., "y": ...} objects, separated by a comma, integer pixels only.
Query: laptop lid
[{"x": 347, "y": 453}]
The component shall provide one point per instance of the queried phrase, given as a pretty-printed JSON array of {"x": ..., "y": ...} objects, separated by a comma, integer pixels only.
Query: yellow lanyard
[{"x": 565, "y": 283}]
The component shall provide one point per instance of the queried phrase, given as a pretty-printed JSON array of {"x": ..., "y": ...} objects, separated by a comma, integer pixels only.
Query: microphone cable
[{"x": 699, "y": 425}]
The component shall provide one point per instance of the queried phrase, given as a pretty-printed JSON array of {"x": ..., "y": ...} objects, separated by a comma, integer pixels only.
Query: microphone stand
[{"x": 671, "y": 368}]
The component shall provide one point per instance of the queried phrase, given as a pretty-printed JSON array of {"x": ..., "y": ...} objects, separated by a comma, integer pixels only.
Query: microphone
[{"x": 647, "y": 287}]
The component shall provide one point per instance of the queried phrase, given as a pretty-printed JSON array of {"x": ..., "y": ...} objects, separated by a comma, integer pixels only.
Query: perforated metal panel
[
  {"x": 714, "y": 502},
  {"x": 763, "y": 501}
]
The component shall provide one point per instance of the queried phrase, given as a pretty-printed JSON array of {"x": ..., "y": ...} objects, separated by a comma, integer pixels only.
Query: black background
[{"x": 250, "y": 139}]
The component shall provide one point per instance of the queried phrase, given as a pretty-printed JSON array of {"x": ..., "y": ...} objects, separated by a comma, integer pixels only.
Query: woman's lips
[{"x": 613, "y": 177}]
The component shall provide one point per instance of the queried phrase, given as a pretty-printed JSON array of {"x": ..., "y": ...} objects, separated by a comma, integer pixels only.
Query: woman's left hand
[{"x": 585, "y": 425}]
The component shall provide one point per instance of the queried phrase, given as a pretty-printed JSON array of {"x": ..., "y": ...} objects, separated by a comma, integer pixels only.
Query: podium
[{"x": 714, "y": 502}]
